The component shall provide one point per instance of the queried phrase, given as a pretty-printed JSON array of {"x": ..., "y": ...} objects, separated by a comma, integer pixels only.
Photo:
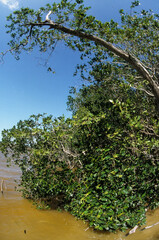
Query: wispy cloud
[{"x": 12, "y": 4}]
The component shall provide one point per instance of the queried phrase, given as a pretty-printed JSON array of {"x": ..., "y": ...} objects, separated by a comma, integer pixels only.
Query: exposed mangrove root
[
  {"x": 2, "y": 184},
  {"x": 86, "y": 229},
  {"x": 132, "y": 230},
  {"x": 136, "y": 227},
  {"x": 150, "y": 226}
]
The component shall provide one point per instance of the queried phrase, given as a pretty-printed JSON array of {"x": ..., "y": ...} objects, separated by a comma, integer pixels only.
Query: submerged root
[{"x": 2, "y": 184}]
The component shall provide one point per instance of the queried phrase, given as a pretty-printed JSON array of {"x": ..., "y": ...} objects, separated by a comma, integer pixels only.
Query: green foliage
[
  {"x": 36, "y": 147},
  {"x": 100, "y": 166},
  {"x": 121, "y": 169}
]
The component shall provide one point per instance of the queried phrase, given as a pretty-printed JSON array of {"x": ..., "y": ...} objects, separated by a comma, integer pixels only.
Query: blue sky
[{"x": 25, "y": 86}]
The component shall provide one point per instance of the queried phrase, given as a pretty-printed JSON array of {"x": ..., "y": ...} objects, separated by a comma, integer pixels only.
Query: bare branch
[
  {"x": 148, "y": 93},
  {"x": 47, "y": 17},
  {"x": 68, "y": 152},
  {"x": 142, "y": 89},
  {"x": 2, "y": 54},
  {"x": 30, "y": 32}
]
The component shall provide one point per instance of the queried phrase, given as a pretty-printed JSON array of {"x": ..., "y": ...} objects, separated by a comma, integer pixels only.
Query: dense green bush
[
  {"x": 36, "y": 145},
  {"x": 121, "y": 168},
  {"x": 102, "y": 168}
]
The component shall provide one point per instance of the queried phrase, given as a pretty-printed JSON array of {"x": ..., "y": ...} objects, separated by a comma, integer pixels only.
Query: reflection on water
[{"x": 19, "y": 219}]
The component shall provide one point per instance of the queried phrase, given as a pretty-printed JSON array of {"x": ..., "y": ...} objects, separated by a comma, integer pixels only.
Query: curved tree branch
[{"x": 128, "y": 57}]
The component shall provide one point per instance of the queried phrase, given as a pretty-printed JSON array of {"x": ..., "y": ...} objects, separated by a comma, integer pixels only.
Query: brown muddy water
[{"x": 20, "y": 220}]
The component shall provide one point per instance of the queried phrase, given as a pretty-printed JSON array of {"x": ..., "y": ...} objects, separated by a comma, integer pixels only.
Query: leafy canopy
[{"x": 131, "y": 46}]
